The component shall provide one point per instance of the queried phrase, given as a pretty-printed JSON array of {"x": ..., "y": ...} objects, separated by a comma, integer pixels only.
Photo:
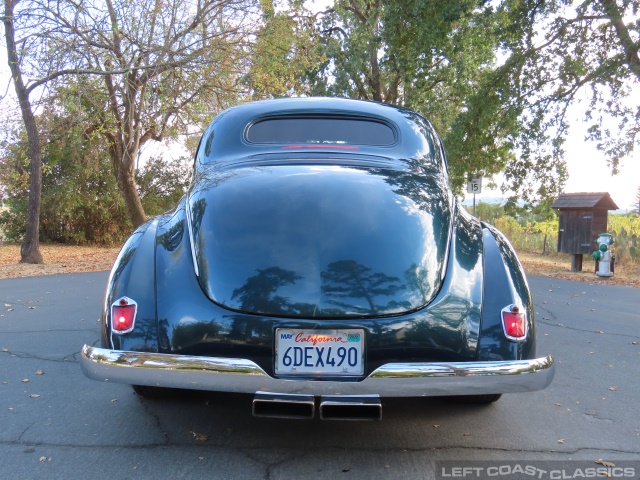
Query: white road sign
[{"x": 475, "y": 185}]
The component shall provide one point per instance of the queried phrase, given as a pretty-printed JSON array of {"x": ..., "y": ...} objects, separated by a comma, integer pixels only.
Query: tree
[
  {"x": 438, "y": 58},
  {"x": 559, "y": 52},
  {"x": 161, "y": 183},
  {"x": 638, "y": 200},
  {"x": 588, "y": 49},
  {"x": 285, "y": 52},
  {"x": 80, "y": 200},
  {"x": 29, "y": 251},
  {"x": 164, "y": 65},
  {"x": 496, "y": 78}
]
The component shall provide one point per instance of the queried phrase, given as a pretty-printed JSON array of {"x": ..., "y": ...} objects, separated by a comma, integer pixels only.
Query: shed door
[{"x": 575, "y": 231}]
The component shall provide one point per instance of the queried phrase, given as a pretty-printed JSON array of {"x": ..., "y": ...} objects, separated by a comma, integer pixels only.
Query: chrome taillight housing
[
  {"x": 514, "y": 323},
  {"x": 123, "y": 315}
]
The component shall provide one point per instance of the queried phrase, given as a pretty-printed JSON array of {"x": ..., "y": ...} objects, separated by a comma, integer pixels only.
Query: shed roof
[{"x": 585, "y": 200}]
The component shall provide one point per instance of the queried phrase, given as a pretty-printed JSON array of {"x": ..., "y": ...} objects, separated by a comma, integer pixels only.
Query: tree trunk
[
  {"x": 376, "y": 82},
  {"x": 30, "y": 250},
  {"x": 124, "y": 173},
  {"x": 129, "y": 191},
  {"x": 125, "y": 142}
]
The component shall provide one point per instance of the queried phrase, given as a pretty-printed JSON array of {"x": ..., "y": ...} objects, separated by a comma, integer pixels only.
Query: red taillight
[
  {"x": 123, "y": 315},
  {"x": 514, "y": 323}
]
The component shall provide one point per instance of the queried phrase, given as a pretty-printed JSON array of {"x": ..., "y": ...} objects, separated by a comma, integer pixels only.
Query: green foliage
[
  {"x": 162, "y": 183},
  {"x": 625, "y": 230},
  {"x": 495, "y": 78},
  {"x": 443, "y": 60},
  {"x": 487, "y": 212},
  {"x": 560, "y": 52},
  {"x": 285, "y": 51},
  {"x": 528, "y": 230},
  {"x": 80, "y": 200},
  {"x": 530, "y": 236}
]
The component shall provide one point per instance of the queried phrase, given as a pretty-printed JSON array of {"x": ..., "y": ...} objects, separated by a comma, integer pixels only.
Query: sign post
[{"x": 474, "y": 185}]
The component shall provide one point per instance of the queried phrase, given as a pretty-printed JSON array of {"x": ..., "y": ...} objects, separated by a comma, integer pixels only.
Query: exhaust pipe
[
  {"x": 350, "y": 407},
  {"x": 283, "y": 405}
]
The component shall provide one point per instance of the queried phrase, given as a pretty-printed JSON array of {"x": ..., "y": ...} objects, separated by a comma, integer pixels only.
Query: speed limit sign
[{"x": 474, "y": 185}]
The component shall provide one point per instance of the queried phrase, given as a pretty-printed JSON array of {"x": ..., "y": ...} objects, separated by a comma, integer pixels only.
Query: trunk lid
[{"x": 324, "y": 241}]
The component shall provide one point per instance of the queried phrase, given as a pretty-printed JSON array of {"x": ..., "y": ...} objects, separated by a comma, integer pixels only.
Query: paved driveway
[{"x": 55, "y": 423}]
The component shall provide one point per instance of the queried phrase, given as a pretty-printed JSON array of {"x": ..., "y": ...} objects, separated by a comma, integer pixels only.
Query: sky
[{"x": 588, "y": 170}]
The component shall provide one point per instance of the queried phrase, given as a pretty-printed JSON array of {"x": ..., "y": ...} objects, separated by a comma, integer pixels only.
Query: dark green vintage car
[{"x": 319, "y": 259}]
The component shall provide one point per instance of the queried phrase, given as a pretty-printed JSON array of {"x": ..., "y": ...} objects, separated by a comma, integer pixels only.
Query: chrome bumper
[{"x": 244, "y": 376}]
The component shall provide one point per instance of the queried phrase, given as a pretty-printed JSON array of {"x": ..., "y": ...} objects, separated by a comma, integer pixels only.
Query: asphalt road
[{"x": 56, "y": 424}]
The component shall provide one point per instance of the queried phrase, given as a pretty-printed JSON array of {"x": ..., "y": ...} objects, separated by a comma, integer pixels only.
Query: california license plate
[{"x": 319, "y": 352}]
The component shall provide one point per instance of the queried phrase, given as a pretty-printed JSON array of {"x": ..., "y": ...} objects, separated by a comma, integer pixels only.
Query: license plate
[{"x": 319, "y": 352}]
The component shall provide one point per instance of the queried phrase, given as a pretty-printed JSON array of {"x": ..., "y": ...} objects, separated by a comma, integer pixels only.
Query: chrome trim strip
[
  {"x": 191, "y": 244},
  {"x": 244, "y": 376},
  {"x": 445, "y": 261}
]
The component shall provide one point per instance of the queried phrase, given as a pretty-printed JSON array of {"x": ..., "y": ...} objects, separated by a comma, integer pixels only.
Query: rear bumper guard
[{"x": 245, "y": 376}]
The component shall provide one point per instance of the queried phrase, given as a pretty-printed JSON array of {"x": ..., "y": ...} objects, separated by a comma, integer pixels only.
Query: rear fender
[
  {"x": 133, "y": 276},
  {"x": 505, "y": 284}
]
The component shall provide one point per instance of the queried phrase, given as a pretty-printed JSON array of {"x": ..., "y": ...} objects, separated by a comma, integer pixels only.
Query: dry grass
[
  {"x": 57, "y": 259},
  {"x": 559, "y": 266},
  {"x": 72, "y": 259}
]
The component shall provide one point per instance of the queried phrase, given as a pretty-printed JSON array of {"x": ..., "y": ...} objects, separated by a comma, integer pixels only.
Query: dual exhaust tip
[{"x": 302, "y": 407}]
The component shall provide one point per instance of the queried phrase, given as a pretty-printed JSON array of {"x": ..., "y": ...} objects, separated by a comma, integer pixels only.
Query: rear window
[{"x": 321, "y": 130}]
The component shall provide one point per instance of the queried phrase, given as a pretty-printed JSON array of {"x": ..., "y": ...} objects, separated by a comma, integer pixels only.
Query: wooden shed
[{"x": 583, "y": 216}]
